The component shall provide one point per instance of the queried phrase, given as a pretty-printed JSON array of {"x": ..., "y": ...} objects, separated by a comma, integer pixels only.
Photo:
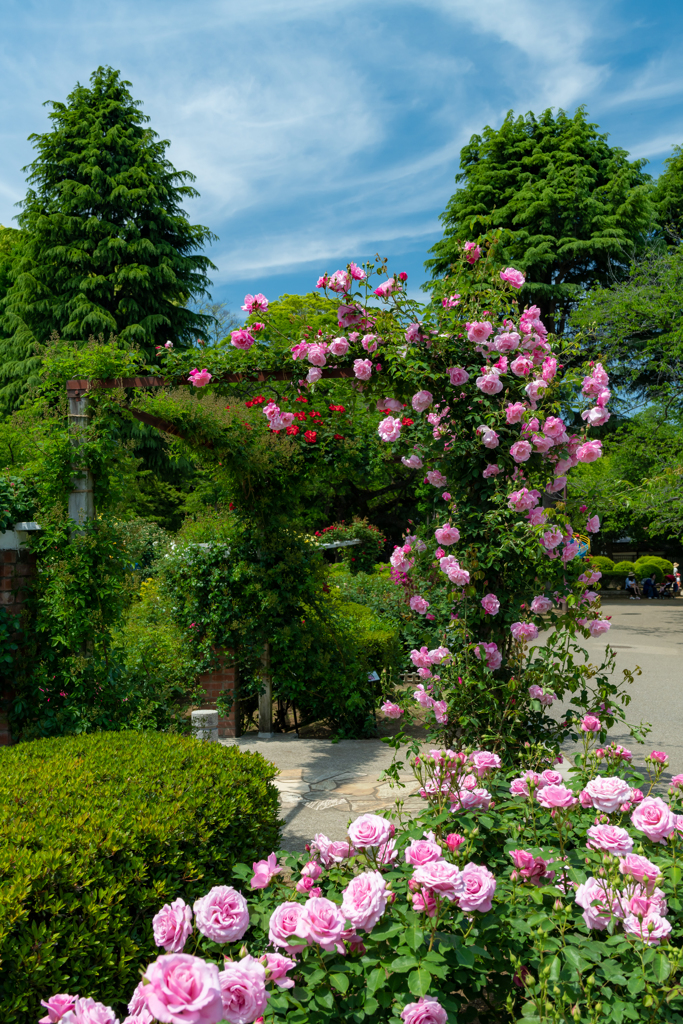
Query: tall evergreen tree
[
  {"x": 106, "y": 247},
  {"x": 669, "y": 196},
  {"x": 574, "y": 208}
]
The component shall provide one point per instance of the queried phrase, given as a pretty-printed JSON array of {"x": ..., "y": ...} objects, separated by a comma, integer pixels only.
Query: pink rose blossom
[
  {"x": 56, "y": 1007},
  {"x": 556, "y": 796},
  {"x": 450, "y": 301},
  {"x": 653, "y": 817},
  {"x": 590, "y": 723},
  {"x": 595, "y": 417},
  {"x": 641, "y": 869},
  {"x": 610, "y": 838},
  {"x": 369, "y": 342},
  {"x": 478, "y": 887},
  {"x": 255, "y": 303},
  {"x": 144, "y": 1017},
  {"x": 442, "y": 878},
  {"x": 362, "y": 368},
  {"x": 490, "y": 604},
  {"x": 199, "y": 378},
  {"x": 493, "y": 657},
  {"x": 489, "y": 437},
  {"x": 422, "y": 851},
  {"x": 390, "y": 710},
  {"x": 356, "y": 272},
  {"x": 412, "y": 462},
  {"x": 222, "y": 915},
  {"x": 525, "y": 785},
  {"x": 465, "y": 799},
  {"x": 490, "y": 383},
  {"x": 286, "y": 922},
  {"x": 491, "y": 470},
  {"x": 183, "y": 989},
  {"x": 314, "y": 375},
  {"x": 172, "y": 925},
  {"x": 390, "y": 429},
  {"x": 330, "y": 851},
  {"x": 324, "y": 923},
  {"x": 243, "y": 990},
  {"x": 440, "y": 709},
  {"x": 659, "y": 757},
  {"x": 447, "y": 535},
  {"x": 593, "y": 525},
  {"x": 426, "y": 1010},
  {"x": 87, "y": 1011},
  {"x": 316, "y": 354},
  {"x": 364, "y": 900},
  {"x": 423, "y": 698},
  {"x": 513, "y": 277},
  {"x": 523, "y": 499},
  {"x": 242, "y": 339},
  {"x": 593, "y": 892},
  {"x": 521, "y": 451},
  {"x": 651, "y": 928},
  {"x": 596, "y": 627},
  {"x": 546, "y": 699},
  {"x": 264, "y": 870},
  {"x": 589, "y": 452},
  {"x": 370, "y": 830},
  {"x": 457, "y": 575},
  {"x": 458, "y": 375},
  {"x": 473, "y": 251},
  {"x": 522, "y": 366},
  {"x": 541, "y": 605},
  {"x": 168, "y": 345},
  {"x": 484, "y": 762},
  {"x": 277, "y": 967},
  {"x": 339, "y": 346},
  {"x": 340, "y": 281},
  {"x": 422, "y": 400},
  {"x": 387, "y": 288},
  {"x": 479, "y": 331},
  {"x": 435, "y": 478},
  {"x": 506, "y": 342},
  {"x": 418, "y": 604},
  {"x": 607, "y": 793},
  {"x": 454, "y": 840},
  {"x": 524, "y": 631}
]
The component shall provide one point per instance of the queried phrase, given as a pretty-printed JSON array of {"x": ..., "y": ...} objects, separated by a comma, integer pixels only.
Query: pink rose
[
  {"x": 324, "y": 923},
  {"x": 390, "y": 429},
  {"x": 546, "y": 699},
  {"x": 277, "y": 966},
  {"x": 200, "y": 378},
  {"x": 513, "y": 277},
  {"x": 422, "y": 851},
  {"x": 390, "y": 710},
  {"x": 183, "y": 989},
  {"x": 144, "y": 1017},
  {"x": 608, "y": 793},
  {"x": 651, "y": 928},
  {"x": 491, "y": 470},
  {"x": 340, "y": 281},
  {"x": 556, "y": 796},
  {"x": 314, "y": 375},
  {"x": 493, "y": 657},
  {"x": 435, "y": 478},
  {"x": 532, "y": 869},
  {"x": 490, "y": 383},
  {"x": 641, "y": 869},
  {"x": 610, "y": 838},
  {"x": 454, "y": 840},
  {"x": 412, "y": 462},
  {"x": 489, "y": 437},
  {"x": 590, "y": 723},
  {"x": 362, "y": 368},
  {"x": 473, "y": 251},
  {"x": 659, "y": 757},
  {"x": 447, "y": 535},
  {"x": 286, "y": 922},
  {"x": 339, "y": 346},
  {"x": 490, "y": 604},
  {"x": 364, "y": 900},
  {"x": 596, "y": 627},
  {"x": 222, "y": 914},
  {"x": 387, "y": 288},
  {"x": 264, "y": 870},
  {"x": 243, "y": 990},
  {"x": 523, "y": 499},
  {"x": 312, "y": 870},
  {"x": 540, "y": 605},
  {"x": 172, "y": 925},
  {"x": 317, "y": 354},
  {"x": 593, "y": 892},
  {"x": 331, "y": 852},
  {"x": 589, "y": 452},
  {"x": 422, "y": 400},
  {"x": 653, "y": 817},
  {"x": 458, "y": 375},
  {"x": 515, "y": 412},
  {"x": 479, "y": 886},
  {"x": 677, "y": 781},
  {"x": 522, "y": 366},
  {"x": 370, "y": 830},
  {"x": 87, "y": 1011},
  {"x": 442, "y": 878},
  {"x": 524, "y": 631},
  {"x": 426, "y": 1010},
  {"x": 521, "y": 451},
  {"x": 242, "y": 339},
  {"x": 255, "y": 303},
  {"x": 418, "y": 604},
  {"x": 484, "y": 762},
  {"x": 506, "y": 342},
  {"x": 593, "y": 525},
  {"x": 479, "y": 331},
  {"x": 525, "y": 785},
  {"x": 56, "y": 1007}
]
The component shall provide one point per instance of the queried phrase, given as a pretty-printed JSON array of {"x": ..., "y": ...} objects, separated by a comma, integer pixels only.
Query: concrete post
[
  {"x": 265, "y": 701},
  {"x": 81, "y": 499},
  {"x": 205, "y": 725}
]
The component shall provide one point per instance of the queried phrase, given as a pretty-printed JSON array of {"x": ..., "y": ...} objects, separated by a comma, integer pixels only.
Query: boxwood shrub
[{"x": 97, "y": 833}]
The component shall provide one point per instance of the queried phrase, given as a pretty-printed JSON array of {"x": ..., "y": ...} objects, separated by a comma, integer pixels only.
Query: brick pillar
[
  {"x": 222, "y": 677},
  {"x": 16, "y": 571}
]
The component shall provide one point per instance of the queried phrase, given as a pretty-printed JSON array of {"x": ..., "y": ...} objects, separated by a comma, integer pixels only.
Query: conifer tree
[
  {"x": 106, "y": 247},
  {"x": 575, "y": 209}
]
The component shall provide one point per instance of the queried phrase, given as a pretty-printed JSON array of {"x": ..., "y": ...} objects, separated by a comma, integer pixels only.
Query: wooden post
[
  {"x": 82, "y": 498},
  {"x": 265, "y": 701}
]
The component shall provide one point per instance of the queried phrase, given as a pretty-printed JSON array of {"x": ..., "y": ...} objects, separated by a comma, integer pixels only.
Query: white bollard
[{"x": 205, "y": 725}]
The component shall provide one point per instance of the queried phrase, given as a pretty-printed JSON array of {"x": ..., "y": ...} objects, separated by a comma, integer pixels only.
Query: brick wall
[
  {"x": 224, "y": 677},
  {"x": 16, "y": 570}
]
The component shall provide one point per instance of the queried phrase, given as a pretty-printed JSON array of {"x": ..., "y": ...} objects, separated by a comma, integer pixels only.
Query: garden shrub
[
  {"x": 378, "y": 638},
  {"x": 602, "y": 562},
  {"x": 624, "y": 568},
  {"x": 644, "y": 565},
  {"x": 97, "y": 832}
]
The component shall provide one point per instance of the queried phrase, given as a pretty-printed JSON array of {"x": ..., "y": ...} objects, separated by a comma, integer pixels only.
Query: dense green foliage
[
  {"x": 669, "y": 196},
  {"x": 106, "y": 247},
  {"x": 574, "y": 208},
  {"x": 97, "y": 833}
]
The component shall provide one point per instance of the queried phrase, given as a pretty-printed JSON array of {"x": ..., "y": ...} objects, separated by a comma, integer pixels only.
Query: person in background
[
  {"x": 650, "y": 588},
  {"x": 632, "y": 587}
]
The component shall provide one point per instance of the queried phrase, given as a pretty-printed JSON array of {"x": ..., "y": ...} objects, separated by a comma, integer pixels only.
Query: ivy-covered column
[{"x": 81, "y": 498}]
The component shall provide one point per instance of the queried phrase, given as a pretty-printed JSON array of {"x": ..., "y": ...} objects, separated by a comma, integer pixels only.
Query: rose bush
[{"x": 541, "y": 899}]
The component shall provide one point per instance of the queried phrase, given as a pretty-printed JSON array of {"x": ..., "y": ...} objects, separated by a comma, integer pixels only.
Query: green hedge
[
  {"x": 97, "y": 833},
  {"x": 602, "y": 562},
  {"x": 379, "y": 639},
  {"x": 647, "y": 563}
]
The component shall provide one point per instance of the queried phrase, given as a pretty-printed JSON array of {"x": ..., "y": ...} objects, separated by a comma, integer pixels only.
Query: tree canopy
[
  {"x": 573, "y": 208},
  {"x": 106, "y": 247}
]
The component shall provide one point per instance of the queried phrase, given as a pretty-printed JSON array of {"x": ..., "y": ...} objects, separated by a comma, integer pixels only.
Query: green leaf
[
  {"x": 661, "y": 968},
  {"x": 371, "y": 1006},
  {"x": 324, "y": 998},
  {"x": 575, "y": 960},
  {"x": 403, "y": 963},
  {"x": 414, "y": 936},
  {"x": 464, "y": 956},
  {"x": 387, "y": 930},
  {"x": 340, "y": 982},
  {"x": 419, "y": 981},
  {"x": 635, "y": 984},
  {"x": 375, "y": 979}
]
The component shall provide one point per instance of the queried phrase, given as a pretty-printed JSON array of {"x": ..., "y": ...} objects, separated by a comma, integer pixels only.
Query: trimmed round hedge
[{"x": 97, "y": 832}]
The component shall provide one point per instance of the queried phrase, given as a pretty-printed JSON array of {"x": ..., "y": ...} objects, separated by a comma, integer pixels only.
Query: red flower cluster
[
  {"x": 407, "y": 422},
  {"x": 299, "y": 415},
  {"x": 337, "y": 408},
  {"x": 310, "y": 436},
  {"x": 254, "y": 401},
  {"x": 313, "y": 414},
  {"x": 293, "y": 429},
  {"x": 300, "y": 398}
]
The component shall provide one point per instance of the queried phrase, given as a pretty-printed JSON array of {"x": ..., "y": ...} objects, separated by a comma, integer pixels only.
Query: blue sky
[{"x": 324, "y": 132}]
